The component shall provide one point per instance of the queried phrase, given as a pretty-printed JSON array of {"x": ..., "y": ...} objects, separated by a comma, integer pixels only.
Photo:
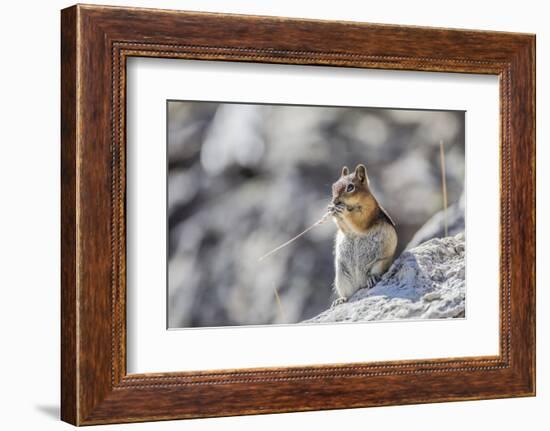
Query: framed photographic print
[{"x": 264, "y": 214}]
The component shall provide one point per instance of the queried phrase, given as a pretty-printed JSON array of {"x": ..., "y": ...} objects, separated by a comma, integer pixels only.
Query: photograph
[{"x": 296, "y": 214}]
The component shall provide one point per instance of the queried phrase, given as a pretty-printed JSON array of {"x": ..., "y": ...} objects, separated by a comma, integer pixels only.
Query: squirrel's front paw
[
  {"x": 336, "y": 209},
  {"x": 338, "y": 301},
  {"x": 371, "y": 282}
]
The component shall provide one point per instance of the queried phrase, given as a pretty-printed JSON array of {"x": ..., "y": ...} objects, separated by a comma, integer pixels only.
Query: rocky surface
[
  {"x": 425, "y": 282},
  {"x": 435, "y": 226}
]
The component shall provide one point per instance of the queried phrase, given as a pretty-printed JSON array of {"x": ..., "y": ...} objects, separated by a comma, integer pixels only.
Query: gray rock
[
  {"x": 426, "y": 282},
  {"x": 435, "y": 226}
]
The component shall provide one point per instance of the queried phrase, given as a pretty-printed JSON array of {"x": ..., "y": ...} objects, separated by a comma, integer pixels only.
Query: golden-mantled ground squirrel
[{"x": 366, "y": 238}]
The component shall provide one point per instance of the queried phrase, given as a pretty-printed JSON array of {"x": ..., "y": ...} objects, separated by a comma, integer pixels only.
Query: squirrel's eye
[{"x": 350, "y": 188}]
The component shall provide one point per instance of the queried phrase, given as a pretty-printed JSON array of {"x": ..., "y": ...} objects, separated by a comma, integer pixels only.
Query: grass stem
[
  {"x": 443, "y": 185},
  {"x": 279, "y": 304}
]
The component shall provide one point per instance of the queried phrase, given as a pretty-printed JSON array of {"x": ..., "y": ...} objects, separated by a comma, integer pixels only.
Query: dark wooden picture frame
[{"x": 95, "y": 43}]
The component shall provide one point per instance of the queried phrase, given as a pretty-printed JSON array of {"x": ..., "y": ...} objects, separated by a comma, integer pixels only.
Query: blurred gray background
[{"x": 242, "y": 179}]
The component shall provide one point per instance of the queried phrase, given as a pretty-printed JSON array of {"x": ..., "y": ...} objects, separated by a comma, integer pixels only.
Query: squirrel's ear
[
  {"x": 345, "y": 171},
  {"x": 361, "y": 173}
]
